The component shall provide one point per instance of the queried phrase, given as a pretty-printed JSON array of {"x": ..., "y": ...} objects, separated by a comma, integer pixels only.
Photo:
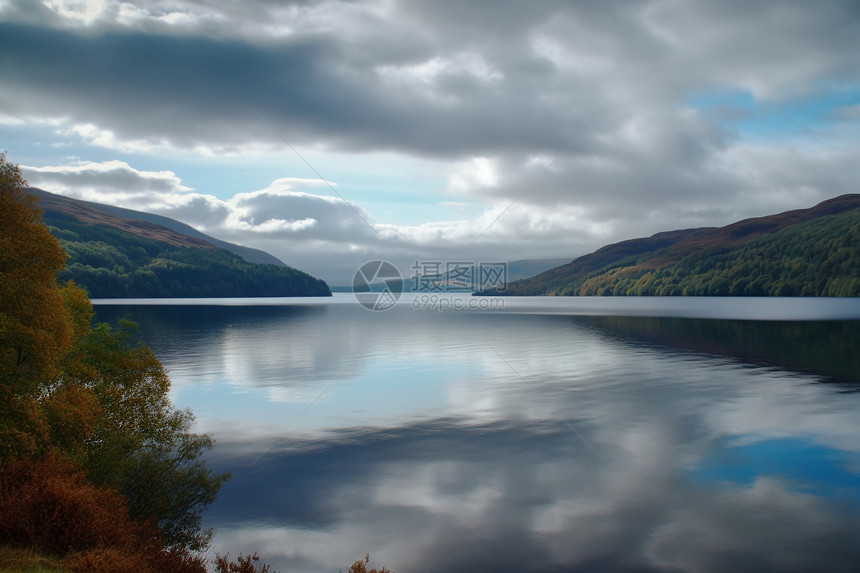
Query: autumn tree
[
  {"x": 89, "y": 394},
  {"x": 36, "y": 331}
]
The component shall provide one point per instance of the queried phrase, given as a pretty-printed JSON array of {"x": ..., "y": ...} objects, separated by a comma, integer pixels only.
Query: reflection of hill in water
[
  {"x": 155, "y": 319},
  {"x": 270, "y": 344},
  {"x": 827, "y": 348}
]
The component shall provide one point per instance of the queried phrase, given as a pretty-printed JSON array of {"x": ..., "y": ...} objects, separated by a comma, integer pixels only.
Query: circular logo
[{"x": 377, "y": 285}]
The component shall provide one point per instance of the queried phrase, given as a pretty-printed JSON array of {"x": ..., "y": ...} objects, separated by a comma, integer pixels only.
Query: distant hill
[
  {"x": 519, "y": 269},
  {"x": 525, "y": 268},
  {"x": 120, "y": 253},
  {"x": 805, "y": 252},
  {"x": 135, "y": 222}
]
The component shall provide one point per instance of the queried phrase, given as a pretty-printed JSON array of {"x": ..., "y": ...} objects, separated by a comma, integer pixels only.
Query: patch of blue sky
[
  {"x": 32, "y": 144},
  {"x": 740, "y": 111},
  {"x": 374, "y": 182},
  {"x": 807, "y": 466}
]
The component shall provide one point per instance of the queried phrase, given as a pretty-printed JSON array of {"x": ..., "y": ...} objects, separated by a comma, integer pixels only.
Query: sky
[{"x": 331, "y": 133}]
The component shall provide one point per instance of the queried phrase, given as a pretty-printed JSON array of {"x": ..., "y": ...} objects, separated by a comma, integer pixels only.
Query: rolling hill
[
  {"x": 120, "y": 253},
  {"x": 804, "y": 252}
]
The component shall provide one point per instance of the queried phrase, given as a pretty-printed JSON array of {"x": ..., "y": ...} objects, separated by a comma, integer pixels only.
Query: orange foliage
[
  {"x": 49, "y": 506},
  {"x": 104, "y": 560},
  {"x": 112, "y": 560}
]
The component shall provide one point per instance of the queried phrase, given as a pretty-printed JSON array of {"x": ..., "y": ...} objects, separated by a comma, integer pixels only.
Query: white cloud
[
  {"x": 93, "y": 135},
  {"x": 474, "y": 175},
  {"x": 431, "y": 71},
  {"x": 80, "y": 11},
  {"x": 90, "y": 179}
]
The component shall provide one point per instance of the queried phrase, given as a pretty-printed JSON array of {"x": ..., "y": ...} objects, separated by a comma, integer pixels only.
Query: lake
[{"x": 563, "y": 434}]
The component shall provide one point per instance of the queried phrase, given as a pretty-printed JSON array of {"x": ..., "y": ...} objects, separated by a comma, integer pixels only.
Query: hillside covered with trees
[
  {"x": 807, "y": 252},
  {"x": 111, "y": 256}
]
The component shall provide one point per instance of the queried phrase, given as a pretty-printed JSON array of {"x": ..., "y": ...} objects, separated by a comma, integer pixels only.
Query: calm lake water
[{"x": 566, "y": 434}]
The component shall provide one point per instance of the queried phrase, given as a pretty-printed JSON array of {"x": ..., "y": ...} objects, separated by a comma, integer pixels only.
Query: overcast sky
[{"x": 331, "y": 133}]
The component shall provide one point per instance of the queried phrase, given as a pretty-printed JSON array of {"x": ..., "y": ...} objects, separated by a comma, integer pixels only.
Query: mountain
[
  {"x": 119, "y": 253},
  {"x": 525, "y": 268},
  {"x": 805, "y": 252},
  {"x": 136, "y": 222}
]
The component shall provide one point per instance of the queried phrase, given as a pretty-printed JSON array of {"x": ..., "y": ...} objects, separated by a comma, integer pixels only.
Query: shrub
[
  {"x": 48, "y": 505},
  {"x": 113, "y": 560},
  {"x": 360, "y": 566}
]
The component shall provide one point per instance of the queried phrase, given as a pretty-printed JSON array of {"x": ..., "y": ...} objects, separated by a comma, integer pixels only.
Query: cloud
[
  {"x": 309, "y": 215},
  {"x": 294, "y": 220},
  {"x": 289, "y": 217},
  {"x": 526, "y": 81},
  {"x": 563, "y": 126},
  {"x": 467, "y": 496},
  {"x": 90, "y": 179},
  {"x": 278, "y": 208}
]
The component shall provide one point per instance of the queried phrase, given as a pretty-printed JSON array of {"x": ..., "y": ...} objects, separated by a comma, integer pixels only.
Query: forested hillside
[
  {"x": 808, "y": 252},
  {"x": 152, "y": 261}
]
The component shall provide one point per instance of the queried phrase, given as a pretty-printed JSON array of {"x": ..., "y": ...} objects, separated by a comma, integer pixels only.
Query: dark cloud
[
  {"x": 196, "y": 91},
  {"x": 495, "y": 77}
]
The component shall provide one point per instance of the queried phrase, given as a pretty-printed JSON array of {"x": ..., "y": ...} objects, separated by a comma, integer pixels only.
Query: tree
[
  {"x": 141, "y": 445},
  {"x": 35, "y": 328},
  {"x": 87, "y": 393},
  {"x": 33, "y": 321}
]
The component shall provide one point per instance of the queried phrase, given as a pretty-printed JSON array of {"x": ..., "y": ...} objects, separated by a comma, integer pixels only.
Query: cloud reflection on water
[
  {"x": 431, "y": 453},
  {"x": 446, "y": 496}
]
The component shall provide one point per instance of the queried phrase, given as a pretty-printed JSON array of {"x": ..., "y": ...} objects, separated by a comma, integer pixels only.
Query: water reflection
[
  {"x": 462, "y": 441},
  {"x": 828, "y": 348}
]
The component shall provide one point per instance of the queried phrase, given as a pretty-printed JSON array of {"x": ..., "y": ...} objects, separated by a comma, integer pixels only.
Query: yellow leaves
[
  {"x": 72, "y": 411},
  {"x": 23, "y": 428},
  {"x": 79, "y": 309},
  {"x": 33, "y": 320}
]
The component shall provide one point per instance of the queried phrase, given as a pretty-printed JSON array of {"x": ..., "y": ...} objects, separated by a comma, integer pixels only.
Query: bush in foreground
[{"x": 48, "y": 505}]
